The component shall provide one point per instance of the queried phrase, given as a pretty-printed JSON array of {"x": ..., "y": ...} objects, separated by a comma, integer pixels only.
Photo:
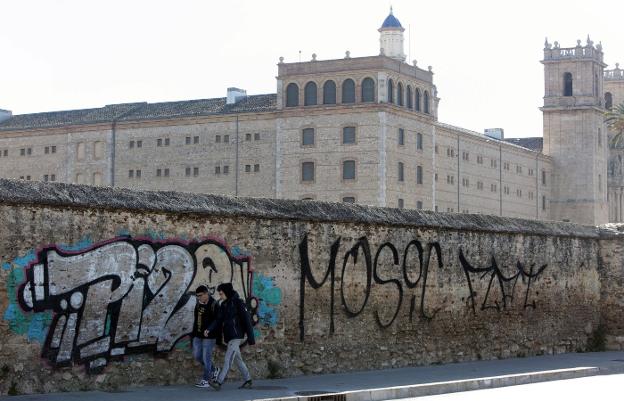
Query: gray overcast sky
[{"x": 64, "y": 54}]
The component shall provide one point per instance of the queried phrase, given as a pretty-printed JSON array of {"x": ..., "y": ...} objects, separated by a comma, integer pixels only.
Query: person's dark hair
[
  {"x": 226, "y": 288},
  {"x": 201, "y": 289}
]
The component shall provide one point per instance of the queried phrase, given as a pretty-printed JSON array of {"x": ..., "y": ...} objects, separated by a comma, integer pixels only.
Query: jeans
[
  {"x": 233, "y": 355},
  {"x": 202, "y": 352}
]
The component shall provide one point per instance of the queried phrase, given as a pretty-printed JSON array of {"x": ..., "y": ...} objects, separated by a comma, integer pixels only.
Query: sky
[{"x": 67, "y": 54}]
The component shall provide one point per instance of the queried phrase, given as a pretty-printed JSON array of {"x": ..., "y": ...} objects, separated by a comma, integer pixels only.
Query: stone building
[{"x": 357, "y": 129}]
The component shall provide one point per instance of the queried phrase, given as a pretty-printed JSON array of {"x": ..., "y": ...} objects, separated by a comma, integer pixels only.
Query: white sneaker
[{"x": 202, "y": 384}]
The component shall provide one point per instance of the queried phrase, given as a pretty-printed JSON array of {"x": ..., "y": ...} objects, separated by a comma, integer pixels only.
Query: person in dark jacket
[
  {"x": 206, "y": 312},
  {"x": 235, "y": 322}
]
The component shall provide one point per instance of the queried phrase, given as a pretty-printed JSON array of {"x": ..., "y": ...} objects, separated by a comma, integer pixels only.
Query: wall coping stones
[{"x": 19, "y": 192}]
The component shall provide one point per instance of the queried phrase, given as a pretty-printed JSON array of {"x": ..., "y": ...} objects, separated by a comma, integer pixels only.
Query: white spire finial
[{"x": 390, "y": 9}]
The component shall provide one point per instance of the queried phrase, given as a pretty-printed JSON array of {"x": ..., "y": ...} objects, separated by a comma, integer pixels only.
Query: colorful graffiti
[{"x": 94, "y": 303}]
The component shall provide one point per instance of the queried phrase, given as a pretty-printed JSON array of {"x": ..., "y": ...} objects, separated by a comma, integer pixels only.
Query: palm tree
[{"x": 614, "y": 119}]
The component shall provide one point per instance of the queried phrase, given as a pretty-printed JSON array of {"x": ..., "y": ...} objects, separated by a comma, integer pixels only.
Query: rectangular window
[
  {"x": 187, "y": 172},
  {"x": 130, "y": 173},
  {"x": 480, "y": 185},
  {"x": 401, "y": 172},
  {"x": 217, "y": 169},
  {"x": 158, "y": 172},
  {"x": 544, "y": 177},
  {"x": 45, "y": 178},
  {"x": 348, "y": 199},
  {"x": 466, "y": 156},
  {"x": 256, "y": 168},
  {"x": 494, "y": 163},
  {"x": 435, "y": 177},
  {"x": 419, "y": 205},
  {"x": 307, "y": 137},
  {"x": 543, "y": 202},
  {"x": 187, "y": 140},
  {"x": 419, "y": 175},
  {"x": 479, "y": 159},
  {"x": 46, "y": 150},
  {"x": 248, "y": 168},
  {"x": 226, "y": 138},
  {"x": 465, "y": 182},
  {"x": 307, "y": 171},
  {"x": 6, "y": 152},
  {"x": 401, "y": 137},
  {"x": 131, "y": 145},
  {"x": 401, "y": 203},
  {"x": 348, "y": 170},
  {"x": 226, "y": 169},
  {"x": 348, "y": 135},
  {"x": 166, "y": 141},
  {"x": 22, "y": 152},
  {"x": 195, "y": 171},
  {"x": 166, "y": 172},
  {"x": 257, "y": 136},
  {"x": 29, "y": 151},
  {"x": 218, "y": 138},
  {"x": 248, "y": 137},
  {"x": 436, "y": 149},
  {"x": 419, "y": 141},
  {"x": 195, "y": 140},
  {"x": 531, "y": 171},
  {"x": 53, "y": 177},
  {"x": 519, "y": 169},
  {"x": 139, "y": 144},
  {"x": 27, "y": 178},
  {"x": 138, "y": 174},
  {"x": 493, "y": 187},
  {"x": 159, "y": 142},
  {"x": 519, "y": 193}
]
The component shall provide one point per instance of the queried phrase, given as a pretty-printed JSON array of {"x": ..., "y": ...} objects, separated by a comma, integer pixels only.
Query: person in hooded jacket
[
  {"x": 235, "y": 322},
  {"x": 206, "y": 312}
]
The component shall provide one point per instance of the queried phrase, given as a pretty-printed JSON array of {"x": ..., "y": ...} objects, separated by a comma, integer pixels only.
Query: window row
[
  {"x": 328, "y": 97},
  {"x": 412, "y": 99},
  {"x": 82, "y": 178},
  {"x": 401, "y": 204},
  {"x": 193, "y": 140},
  {"x": 98, "y": 150},
  {"x": 194, "y": 171}
]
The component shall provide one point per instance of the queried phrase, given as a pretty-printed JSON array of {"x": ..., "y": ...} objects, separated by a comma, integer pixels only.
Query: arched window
[
  {"x": 368, "y": 90},
  {"x": 608, "y": 101},
  {"x": 329, "y": 92},
  {"x": 400, "y": 94},
  {"x": 292, "y": 95},
  {"x": 417, "y": 102},
  {"x": 390, "y": 91},
  {"x": 348, "y": 91},
  {"x": 567, "y": 84},
  {"x": 426, "y": 102},
  {"x": 309, "y": 94},
  {"x": 408, "y": 97}
]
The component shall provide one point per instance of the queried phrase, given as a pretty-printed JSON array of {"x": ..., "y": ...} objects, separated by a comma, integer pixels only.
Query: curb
[{"x": 420, "y": 390}]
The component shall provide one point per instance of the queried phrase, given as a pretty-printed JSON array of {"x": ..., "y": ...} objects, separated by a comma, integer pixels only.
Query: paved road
[{"x": 595, "y": 388}]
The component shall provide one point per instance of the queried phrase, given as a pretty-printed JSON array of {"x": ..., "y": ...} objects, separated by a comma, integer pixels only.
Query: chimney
[
  {"x": 5, "y": 115},
  {"x": 496, "y": 133},
  {"x": 235, "y": 94}
]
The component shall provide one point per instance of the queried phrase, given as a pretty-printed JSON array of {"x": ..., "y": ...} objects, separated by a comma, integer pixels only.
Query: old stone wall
[{"x": 96, "y": 285}]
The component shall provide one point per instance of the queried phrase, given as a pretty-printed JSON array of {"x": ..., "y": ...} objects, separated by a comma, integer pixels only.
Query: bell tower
[
  {"x": 574, "y": 132},
  {"x": 391, "y": 38}
]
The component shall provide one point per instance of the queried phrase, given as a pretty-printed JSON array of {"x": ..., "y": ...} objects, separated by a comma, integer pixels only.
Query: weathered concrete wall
[{"x": 95, "y": 285}]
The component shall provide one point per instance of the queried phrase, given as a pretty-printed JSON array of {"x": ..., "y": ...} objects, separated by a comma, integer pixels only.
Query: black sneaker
[
  {"x": 247, "y": 384},
  {"x": 215, "y": 384}
]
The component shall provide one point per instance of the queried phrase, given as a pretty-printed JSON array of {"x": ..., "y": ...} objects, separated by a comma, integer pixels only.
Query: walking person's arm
[{"x": 246, "y": 321}]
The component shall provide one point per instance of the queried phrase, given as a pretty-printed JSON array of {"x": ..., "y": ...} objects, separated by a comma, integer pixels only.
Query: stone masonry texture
[{"x": 96, "y": 285}]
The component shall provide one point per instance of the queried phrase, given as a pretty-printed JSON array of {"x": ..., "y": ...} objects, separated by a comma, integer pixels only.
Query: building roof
[
  {"x": 391, "y": 22},
  {"x": 140, "y": 111},
  {"x": 534, "y": 143}
]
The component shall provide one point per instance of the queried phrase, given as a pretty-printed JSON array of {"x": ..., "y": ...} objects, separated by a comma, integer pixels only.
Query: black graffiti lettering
[
  {"x": 125, "y": 296},
  {"x": 506, "y": 285},
  {"x": 353, "y": 253},
  {"x": 423, "y": 272},
  {"x": 307, "y": 275},
  {"x": 397, "y": 283}
]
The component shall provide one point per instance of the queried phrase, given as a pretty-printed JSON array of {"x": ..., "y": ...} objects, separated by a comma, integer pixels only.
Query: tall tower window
[
  {"x": 309, "y": 94},
  {"x": 329, "y": 92},
  {"x": 608, "y": 101},
  {"x": 390, "y": 91},
  {"x": 417, "y": 101},
  {"x": 567, "y": 84},
  {"x": 292, "y": 95},
  {"x": 400, "y": 94},
  {"x": 348, "y": 91},
  {"x": 368, "y": 90},
  {"x": 426, "y": 102},
  {"x": 408, "y": 97}
]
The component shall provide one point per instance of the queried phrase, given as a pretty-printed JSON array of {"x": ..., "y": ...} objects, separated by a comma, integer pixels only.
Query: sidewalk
[{"x": 375, "y": 385}]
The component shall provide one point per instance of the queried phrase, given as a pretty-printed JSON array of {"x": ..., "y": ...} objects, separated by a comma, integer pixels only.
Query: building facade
[{"x": 357, "y": 129}]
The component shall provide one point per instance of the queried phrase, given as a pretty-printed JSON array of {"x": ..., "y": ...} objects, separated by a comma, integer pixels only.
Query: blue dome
[{"x": 391, "y": 22}]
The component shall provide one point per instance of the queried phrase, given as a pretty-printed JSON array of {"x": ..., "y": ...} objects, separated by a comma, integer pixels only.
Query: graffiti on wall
[
  {"x": 130, "y": 295},
  {"x": 410, "y": 271}
]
